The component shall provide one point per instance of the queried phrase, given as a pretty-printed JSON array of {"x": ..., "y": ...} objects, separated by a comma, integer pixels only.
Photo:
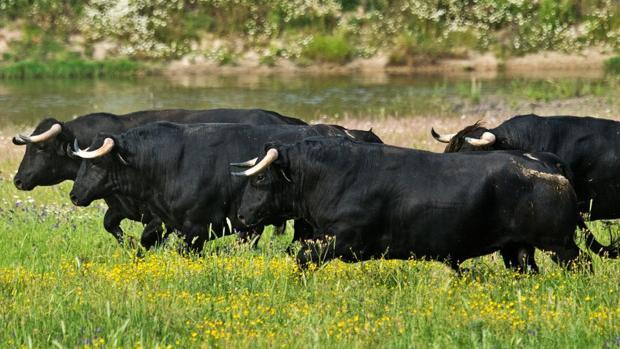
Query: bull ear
[
  {"x": 120, "y": 152},
  {"x": 270, "y": 145},
  {"x": 121, "y": 158},
  {"x": 282, "y": 160}
]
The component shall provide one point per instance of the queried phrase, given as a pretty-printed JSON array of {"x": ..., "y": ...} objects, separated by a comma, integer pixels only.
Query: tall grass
[
  {"x": 64, "y": 282},
  {"x": 72, "y": 68}
]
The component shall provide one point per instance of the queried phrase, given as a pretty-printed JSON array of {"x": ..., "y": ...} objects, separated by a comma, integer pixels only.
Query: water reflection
[{"x": 305, "y": 96}]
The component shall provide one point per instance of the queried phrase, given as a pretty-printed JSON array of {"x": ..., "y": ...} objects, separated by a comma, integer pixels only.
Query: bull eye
[{"x": 260, "y": 177}]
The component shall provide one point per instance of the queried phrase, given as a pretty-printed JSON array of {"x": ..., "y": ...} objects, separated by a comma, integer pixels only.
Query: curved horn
[
  {"x": 248, "y": 163},
  {"x": 487, "y": 138},
  {"x": 442, "y": 138},
  {"x": 271, "y": 156},
  {"x": 18, "y": 140},
  {"x": 53, "y": 131},
  {"x": 107, "y": 146}
]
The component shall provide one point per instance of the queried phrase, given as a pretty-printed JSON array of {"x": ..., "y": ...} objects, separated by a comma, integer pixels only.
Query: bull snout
[
  {"x": 21, "y": 184},
  {"x": 76, "y": 200},
  {"x": 241, "y": 218},
  {"x": 248, "y": 218},
  {"x": 18, "y": 183}
]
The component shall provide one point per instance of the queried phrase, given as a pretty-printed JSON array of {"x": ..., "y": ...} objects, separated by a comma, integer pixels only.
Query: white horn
[
  {"x": 248, "y": 163},
  {"x": 271, "y": 156},
  {"x": 52, "y": 132},
  {"x": 442, "y": 138},
  {"x": 107, "y": 146},
  {"x": 487, "y": 138}
]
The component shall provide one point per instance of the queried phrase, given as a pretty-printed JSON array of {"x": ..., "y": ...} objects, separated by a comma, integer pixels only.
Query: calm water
[{"x": 308, "y": 97}]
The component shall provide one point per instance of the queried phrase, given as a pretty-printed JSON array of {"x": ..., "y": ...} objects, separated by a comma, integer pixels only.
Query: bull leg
[
  {"x": 250, "y": 236},
  {"x": 152, "y": 234},
  {"x": 112, "y": 224},
  {"x": 279, "y": 229},
  {"x": 193, "y": 242},
  {"x": 323, "y": 250},
  {"x": 312, "y": 252},
  {"x": 567, "y": 256},
  {"x": 520, "y": 258},
  {"x": 456, "y": 266},
  {"x": 303, "y": 230}
]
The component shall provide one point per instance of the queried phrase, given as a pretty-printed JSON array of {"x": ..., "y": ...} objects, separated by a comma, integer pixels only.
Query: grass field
[{"x": 65, "y": 283}]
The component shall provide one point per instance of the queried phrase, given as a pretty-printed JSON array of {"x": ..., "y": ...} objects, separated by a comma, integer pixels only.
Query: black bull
[
  {"x": 48, "y": 159},
  {"x": 383, "y": 201},
  {"x": 590, "y": 147},
  {"x": 182, "y": 171}
]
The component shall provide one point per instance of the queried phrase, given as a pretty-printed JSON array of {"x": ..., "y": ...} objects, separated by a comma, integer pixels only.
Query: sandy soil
[{"x": 588, "y": 63}]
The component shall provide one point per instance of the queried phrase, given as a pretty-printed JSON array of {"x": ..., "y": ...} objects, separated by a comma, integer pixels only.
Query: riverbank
[
  {"x": 590, "y": 63},
  {"x": 332, "y": 36}
]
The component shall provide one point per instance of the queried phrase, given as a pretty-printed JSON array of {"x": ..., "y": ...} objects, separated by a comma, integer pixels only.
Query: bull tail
[{"x": 592, "y": 244}]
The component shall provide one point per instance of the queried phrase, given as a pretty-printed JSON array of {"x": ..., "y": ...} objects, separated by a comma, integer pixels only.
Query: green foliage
[
  {"x": 547, "y": 90},
  {"x": 328, "y": 49},
  {"x": 612, "y": 65},
  {"x": 404, "y": 28},
  {"x": 73, "y": 68},
  {"x": 64, "y": 282}
]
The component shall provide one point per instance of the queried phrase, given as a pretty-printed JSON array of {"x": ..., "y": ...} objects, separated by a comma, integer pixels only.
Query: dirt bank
[{"x": 588, "y": 62}]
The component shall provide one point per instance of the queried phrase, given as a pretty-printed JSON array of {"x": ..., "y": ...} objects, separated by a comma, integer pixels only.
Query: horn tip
[{"x": 17, "y": 140}]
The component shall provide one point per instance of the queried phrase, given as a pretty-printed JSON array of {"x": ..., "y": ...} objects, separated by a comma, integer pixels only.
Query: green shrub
[
  {"x": 75, "y": 68},
  {"x": 612, "y": 65},
  {"x": 328, "y": 49}
]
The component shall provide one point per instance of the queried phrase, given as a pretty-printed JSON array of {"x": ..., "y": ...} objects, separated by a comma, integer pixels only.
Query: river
[{"x": 310, "y": 97}]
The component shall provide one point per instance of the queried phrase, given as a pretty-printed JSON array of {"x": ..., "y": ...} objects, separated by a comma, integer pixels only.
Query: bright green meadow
[{"x": 64, "y": 282}]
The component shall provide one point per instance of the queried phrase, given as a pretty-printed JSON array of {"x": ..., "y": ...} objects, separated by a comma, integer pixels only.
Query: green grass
[
  {"x": 64, "y": 282},
  {"x": 71, "y": 68}
]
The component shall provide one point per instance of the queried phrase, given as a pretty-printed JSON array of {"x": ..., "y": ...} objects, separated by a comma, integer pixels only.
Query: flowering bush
[{"x": 170, "y": 28}]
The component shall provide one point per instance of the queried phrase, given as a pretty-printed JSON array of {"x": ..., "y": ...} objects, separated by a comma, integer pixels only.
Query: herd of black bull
[{"x": 351, "y": 196}]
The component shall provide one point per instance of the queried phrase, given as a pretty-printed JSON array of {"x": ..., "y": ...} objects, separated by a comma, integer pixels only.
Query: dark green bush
[
  {"x": 328, "y": 49},
  {"x": 612, "y": 65},
  {"x": 76, "y": 68}
]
